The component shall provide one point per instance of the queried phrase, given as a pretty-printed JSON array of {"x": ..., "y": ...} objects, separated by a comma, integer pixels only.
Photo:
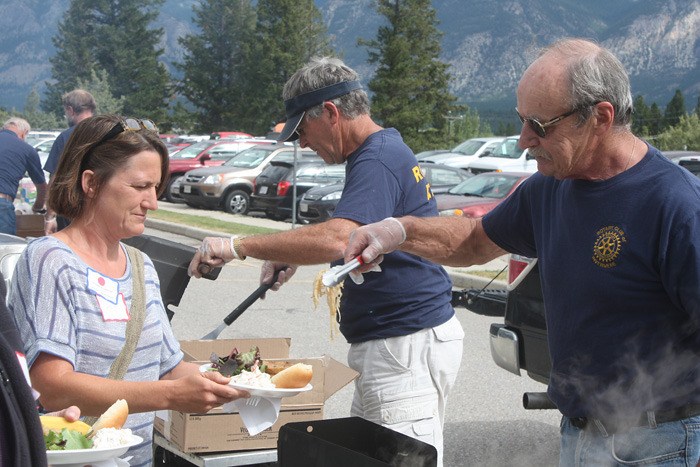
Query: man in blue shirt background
[{"x": 17, "y": 158}]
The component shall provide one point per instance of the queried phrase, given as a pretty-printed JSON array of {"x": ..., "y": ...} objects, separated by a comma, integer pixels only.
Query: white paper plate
[
  {"x": 272, "y": 393},
  {"x": 77, "y": 456}
]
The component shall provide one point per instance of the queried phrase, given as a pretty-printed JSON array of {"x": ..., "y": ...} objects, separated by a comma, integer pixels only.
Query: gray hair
[
  {"x": 19, "y": 123},
  {"x": 595, "y": 75},
  {"x": 320, "y": 72}
]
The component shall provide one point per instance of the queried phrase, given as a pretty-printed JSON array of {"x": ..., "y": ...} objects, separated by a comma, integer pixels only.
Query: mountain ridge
[{"x": 487, "y": 43}]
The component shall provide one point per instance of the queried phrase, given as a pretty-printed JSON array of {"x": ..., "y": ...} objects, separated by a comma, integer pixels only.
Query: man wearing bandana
[{"x": 406, "y": 341}]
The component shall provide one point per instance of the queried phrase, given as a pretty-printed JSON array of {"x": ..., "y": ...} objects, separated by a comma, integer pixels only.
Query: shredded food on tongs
[{"x": 333, "y": 295}]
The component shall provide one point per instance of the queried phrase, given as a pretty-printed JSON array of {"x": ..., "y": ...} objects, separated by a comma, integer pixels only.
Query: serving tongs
[{"x": 334, "y": 275}]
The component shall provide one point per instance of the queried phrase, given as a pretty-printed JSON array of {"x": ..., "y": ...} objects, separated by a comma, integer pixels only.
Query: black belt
[{"x": 660, "y": 416}]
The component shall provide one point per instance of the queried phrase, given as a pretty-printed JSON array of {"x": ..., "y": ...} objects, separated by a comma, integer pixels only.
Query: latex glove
[
  {"x": 214, "y": 252},
  {"x": 268, "y": 270},
  {"x": 373, "y": 241},
  {"x": 358, "y": 278}
]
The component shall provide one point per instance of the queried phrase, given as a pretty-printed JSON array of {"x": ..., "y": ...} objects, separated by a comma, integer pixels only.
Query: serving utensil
[
  {"x": 238, "y": 311},
  {"x": 336, "y": 274}
]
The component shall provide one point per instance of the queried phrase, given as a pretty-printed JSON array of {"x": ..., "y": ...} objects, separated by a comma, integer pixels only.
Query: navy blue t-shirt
[
  {"x": 57, "y": 149},
  {"x": 620, "y": 268},
  {"x": 383, "y": 179},
  {"x": 17, "y": 158}
]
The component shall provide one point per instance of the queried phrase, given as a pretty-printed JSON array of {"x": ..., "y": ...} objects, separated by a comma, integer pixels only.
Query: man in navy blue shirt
[
  {"x": 16, "y": 159},
  {"x": 406, "y": 341},
  {"x": 78, "y": 105},
  {"x": 616, "y": 229}
]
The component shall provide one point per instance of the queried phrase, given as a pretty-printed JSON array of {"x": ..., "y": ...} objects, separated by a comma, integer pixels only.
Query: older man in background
[{"x": 17, "y": 158}]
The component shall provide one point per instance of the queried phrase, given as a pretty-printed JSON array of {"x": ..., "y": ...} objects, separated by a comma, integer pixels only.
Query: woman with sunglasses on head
[
  {"x": 615, "y": 227},
  {"x": 88, "y": 308}
]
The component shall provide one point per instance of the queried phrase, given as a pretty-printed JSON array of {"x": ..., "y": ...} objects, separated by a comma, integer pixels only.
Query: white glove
[
  {"x": 268, "y": 270},
  {"x": 214, "y": 252},
  {"x": 372, "y": 241}
]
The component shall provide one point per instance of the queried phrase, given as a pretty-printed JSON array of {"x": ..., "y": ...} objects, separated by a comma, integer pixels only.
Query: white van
[{"x": 505, "y": 157}]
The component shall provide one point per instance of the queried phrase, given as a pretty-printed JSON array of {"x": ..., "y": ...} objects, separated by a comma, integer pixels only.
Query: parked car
[
  {"x": 676, "y": 156},
  {"x": 275, "y": 186},
  {"x": 230, "y": 185},
  {"x": 462, "y": 154},
  {"x": 479, "y": 194},
  {"x": 318, "y": 204},
  {"x": 203, "y": 154},
  {"x": 687, "y": 159},
  {"x": 506, "y": 157}
]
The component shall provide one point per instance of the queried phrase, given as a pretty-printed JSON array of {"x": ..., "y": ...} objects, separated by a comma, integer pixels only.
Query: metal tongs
[{"x": 334, "y": 275}]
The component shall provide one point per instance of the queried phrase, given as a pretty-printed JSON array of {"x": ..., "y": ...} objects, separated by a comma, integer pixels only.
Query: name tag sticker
[
  {"x": 113, "y": 311},
  {"x": 101, "y": 285},
  {"x": 22, "y": 359}
]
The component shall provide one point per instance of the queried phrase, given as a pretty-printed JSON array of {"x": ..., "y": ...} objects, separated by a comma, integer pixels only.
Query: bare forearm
[
  {"x": 313, "y": 244},
  {"x": 452, "y": 241},
  {"x": 94, "y": 395}
]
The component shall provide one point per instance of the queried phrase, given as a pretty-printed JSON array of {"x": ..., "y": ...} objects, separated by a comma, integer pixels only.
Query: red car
[{"x": 479, "y": 194}]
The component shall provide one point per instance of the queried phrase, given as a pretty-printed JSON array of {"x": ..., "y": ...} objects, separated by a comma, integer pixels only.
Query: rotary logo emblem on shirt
[{"x": 607, "y": 246}]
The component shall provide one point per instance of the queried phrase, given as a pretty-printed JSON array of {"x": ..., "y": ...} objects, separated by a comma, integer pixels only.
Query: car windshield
[
  {"x": 469, "y": 147},
  {"x": 488, "y": 185},
  {"x": 249, "y": 158},
  {"x": 191, "y": 151},
  {"x": 321, "y": 172},
  {"x": 507, "y": 149}
]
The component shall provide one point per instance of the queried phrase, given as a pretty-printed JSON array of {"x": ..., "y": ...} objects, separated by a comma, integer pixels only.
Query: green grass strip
[{"x": 209, "y": 223}]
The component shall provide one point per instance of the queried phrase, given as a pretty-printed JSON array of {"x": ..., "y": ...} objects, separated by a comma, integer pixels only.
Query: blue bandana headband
[{"x": 298, "y": 105}]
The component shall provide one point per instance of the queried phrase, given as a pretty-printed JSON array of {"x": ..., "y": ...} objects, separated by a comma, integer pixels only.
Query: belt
[
  {"x": 7, "y": 197},
  {"x": 660, "y": 416}
]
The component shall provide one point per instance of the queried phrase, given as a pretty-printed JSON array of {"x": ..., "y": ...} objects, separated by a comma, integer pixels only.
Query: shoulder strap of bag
[{"x": 137, "y": 316}]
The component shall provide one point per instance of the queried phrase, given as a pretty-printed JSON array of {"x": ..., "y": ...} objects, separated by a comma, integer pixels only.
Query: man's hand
[
  {"x": 214, "y": 252},
  {"x": 372, "y": 241},
  {"x": 268, "y": 269}
]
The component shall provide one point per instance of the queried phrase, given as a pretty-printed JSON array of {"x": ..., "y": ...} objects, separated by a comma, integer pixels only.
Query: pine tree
[
  {"x": 213, "y": 63},
  {"x": 287, "y": 34},
  {"x": 75, "y": 58},
  {"x": 103, "y": 35},
  {"x": 98, "y": 86},
  {"x": 655, "y": 120},
  {"x": 640, "y": 117},
  {"x": 128, "y": 51},
  {"x": 674, "y": 110},
  {"x": 697, "y": 107},
  {"x": 37, "y": 119},
  {"x": 411, "y": 83}
]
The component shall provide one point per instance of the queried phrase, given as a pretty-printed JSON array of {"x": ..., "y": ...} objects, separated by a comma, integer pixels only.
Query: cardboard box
[
  {"x": 217, "y": 431},
  {"x": 30, "y": 225}
]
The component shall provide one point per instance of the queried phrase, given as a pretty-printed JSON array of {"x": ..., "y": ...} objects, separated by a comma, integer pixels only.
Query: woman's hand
[{"x": 201, "y": 392}]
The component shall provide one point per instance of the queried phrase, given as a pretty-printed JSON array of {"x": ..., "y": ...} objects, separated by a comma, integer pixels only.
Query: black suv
[{"x": 275, "y": 186}]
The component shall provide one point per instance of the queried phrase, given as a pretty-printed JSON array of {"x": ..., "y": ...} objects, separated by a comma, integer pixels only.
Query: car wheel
[
  {"x": 237, "y": 202},
  {"x": 172, "y": 193}
]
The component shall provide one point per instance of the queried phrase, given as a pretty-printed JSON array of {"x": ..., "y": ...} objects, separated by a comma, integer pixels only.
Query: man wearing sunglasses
[{"x": 616, "y": 228}]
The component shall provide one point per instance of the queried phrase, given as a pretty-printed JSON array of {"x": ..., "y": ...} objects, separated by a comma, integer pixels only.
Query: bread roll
[
  {"x": 113, "y": 417},
  {"x": 296, "y": 376}
]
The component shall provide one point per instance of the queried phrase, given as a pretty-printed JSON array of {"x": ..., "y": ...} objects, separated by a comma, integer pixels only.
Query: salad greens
[
  {"x": 66, "y": 439},
  {"x": 236, "y": 362}
]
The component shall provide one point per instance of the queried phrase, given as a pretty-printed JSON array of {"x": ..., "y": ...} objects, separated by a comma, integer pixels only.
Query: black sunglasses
[
  {"x": 539, "y": 127},
  {"x": 124, "y": 124}
]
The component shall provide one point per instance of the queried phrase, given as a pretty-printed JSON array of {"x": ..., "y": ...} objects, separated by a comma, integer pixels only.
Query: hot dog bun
[
  {"x": 113, "y": 417},
  {"x": 295, "y": 376}
]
